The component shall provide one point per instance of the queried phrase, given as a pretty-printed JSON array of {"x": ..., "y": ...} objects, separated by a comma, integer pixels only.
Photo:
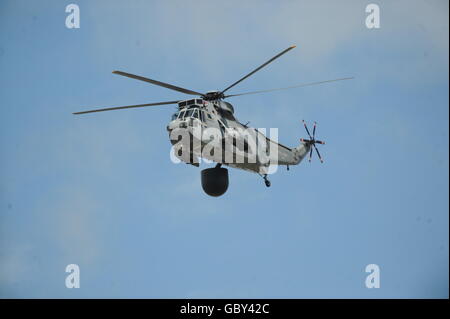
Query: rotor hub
[{"x": 213, "y": 95}]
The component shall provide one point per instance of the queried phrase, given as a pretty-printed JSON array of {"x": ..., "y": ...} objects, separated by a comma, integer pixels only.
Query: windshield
[
  {"x": 188, "y": 113},
  {"x": 184, "y": 114}
]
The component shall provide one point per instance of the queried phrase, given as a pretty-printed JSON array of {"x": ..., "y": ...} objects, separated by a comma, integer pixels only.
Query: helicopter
[{"x": 205, "y": 127}]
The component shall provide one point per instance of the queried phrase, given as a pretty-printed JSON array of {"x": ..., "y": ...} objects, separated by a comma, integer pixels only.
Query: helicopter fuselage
[
  {"x": 200, "y": 127},
  {"x": 206, "y": 128}
]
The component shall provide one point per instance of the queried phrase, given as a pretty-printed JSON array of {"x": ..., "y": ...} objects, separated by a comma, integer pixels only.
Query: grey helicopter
[{"x": 205, "y": 127}]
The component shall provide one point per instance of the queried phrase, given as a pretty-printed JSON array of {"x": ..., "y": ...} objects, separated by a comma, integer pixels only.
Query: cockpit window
[
  {"x": 188, "y": 113},
  {"x": 202, "y": 115},
  {"x": 184, "y": 114}
]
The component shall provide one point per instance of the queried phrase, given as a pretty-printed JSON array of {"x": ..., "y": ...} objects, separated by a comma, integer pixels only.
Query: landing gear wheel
[{"x": 266, "y": 181}]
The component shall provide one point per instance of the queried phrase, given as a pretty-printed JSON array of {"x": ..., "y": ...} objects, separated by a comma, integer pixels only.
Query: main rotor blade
[
  {"x": 291, "y": 87},
  {"x": 259, "y": 68},
  {"x": 166, "y": 85},
  {"x": 125, "y": 107}
]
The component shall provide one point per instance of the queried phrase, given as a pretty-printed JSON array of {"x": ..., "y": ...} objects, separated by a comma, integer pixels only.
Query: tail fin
[{"x": 301, "y": 151}]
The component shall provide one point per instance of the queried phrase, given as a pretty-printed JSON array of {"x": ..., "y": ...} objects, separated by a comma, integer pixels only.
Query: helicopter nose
[
  {"x": 183, "y": 124},
  {"x": 176, "y": 124},
  {"x": 172, "y": 125}
]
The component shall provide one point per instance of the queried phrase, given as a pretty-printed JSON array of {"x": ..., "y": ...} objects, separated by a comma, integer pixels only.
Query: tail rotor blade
[
  {"x": 307, "y": 131},
  {"x": 318, "y": 154},
  {"x": 314, "y": 130}
]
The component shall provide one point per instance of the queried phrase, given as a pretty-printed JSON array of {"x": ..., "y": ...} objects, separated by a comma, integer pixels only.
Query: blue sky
[{"x": 100, "y": 190}]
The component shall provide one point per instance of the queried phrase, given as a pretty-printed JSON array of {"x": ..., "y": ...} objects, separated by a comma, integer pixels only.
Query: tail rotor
[{"x": 312, "y": 141}]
